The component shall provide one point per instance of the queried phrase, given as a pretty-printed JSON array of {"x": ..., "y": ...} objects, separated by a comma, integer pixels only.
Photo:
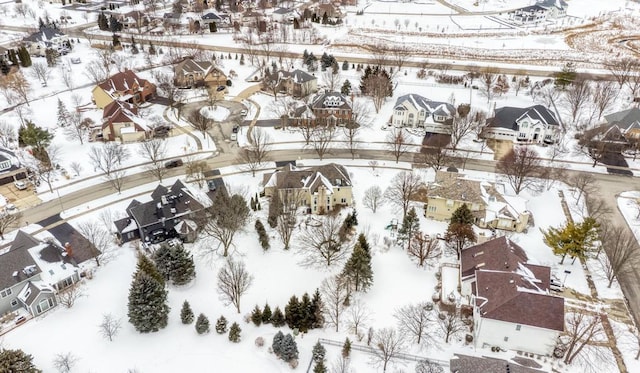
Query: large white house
[
  {"x": 416, "y": 111},
  {"x": 46, "y": 37},
  {"x": 542, "y": 11},
  {"x": 534, "y": 124},
  {"x": 512, "y": 306}
]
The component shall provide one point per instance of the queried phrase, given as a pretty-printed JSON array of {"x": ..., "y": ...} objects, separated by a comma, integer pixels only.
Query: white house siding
[
  {"x": 528, "y": 129},
  {"x": 499, "y": 134},
  {"x": 505, "y": 335}
]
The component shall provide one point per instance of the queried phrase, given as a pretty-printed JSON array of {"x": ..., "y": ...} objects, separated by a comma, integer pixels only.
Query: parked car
[
  {"x": 243, "y": 112},
  {"x": 20, "y": 184},
  {"x": 75, "y": 60},
  {"x": 221, "y": 88},
  {"x": 235, "y": 129},
  {"x": 173, "y": 163},
  {"x": 211, "y": 185}
]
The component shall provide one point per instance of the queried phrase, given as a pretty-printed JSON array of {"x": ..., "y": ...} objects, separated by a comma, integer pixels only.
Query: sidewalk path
[{"x": 182, "y": 128}]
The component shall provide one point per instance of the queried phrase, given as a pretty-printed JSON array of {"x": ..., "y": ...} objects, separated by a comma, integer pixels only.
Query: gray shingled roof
[
  {"x": 298, "y": 76},
  {"x": 319, "y": 102},
  {"x": 290, "y": 177},
  {"x": 45, "y": 34},
  {"x": 508, "y": 116},
  {"x": 499, "y": 254},
  {"x": 420, "y": 102},
  {"x": 625, "y": 118},
  {"x": 482, "y": 364},
  {"x": 177, "y": 197},
  {"x": 16, "y": 259},
  {"x": 560, "y": 4}
]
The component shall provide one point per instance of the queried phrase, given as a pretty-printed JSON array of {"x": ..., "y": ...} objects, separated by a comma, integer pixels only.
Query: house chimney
[{"x": 68, "y": 249}]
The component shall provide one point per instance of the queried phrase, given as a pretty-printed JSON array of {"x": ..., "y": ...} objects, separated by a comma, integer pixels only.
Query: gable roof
[
  {"x": 212, "y": 16},
  {"x": 627, "y": 119},
  {"x": 334, "y": 100},
  {"x": 282, "y": 11},
  {"x": 290, "y": 177},
  {"x": 560, "y": 4},
  {"x": 508, "y": 117},
  {"x": 123, "y": 112},
  {"x": 122, "y": 82},
  {"x": 45, "y": 34},
  {"x": 17, "y": 259},
  {"x": 298, "y": 76},
  {"x": 519, "y": 297},
  {"x": 188, "y": 65},
  {"x": 498, "y": 254},
  {"x": 166, "y": 203},
  {"x": 456, "y": 189},
  {"x": 420, "y": 102}
]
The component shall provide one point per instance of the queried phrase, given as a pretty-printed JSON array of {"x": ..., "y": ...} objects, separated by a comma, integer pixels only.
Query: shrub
[
  {"x": 221, "y": 325},
  {"x": 202, "y": 324}
]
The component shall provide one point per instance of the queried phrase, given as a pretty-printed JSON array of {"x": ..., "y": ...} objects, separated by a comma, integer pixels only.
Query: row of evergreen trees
[
  {"x": 202, "y": 323},
  {"x": 16, "y": 57}
]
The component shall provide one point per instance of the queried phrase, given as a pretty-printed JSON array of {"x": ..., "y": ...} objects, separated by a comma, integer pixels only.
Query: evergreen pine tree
[
  {"x": 275, "y": 210},
  {"x": 266, "y": 314},
  {"x": 462, "y": 215},
  {"x": 63, "y": 114},
  {"x": 306, "y": 316},
  {"x": 320, "y": 367},
  {"x": 256, "y": 316},
  {"x": 277, "y": 319},
  {"x": 292, "y": 312},
  {"x": 162, "y": 259},
  {"x": 289, "y": 349},
  {"x": 13, "y": 57},
  {"x": 186, "y": 314},
  {"x": 346, "y": 348},
  {"x": 276, "y": 345},
  {"x": 103, "y": 23},
  {"x": 183, "y": 268},
  {"x": 241, "y": 59},
  {"x": 25, "y": 58},
  {"x": 362, "y": 240},
  {"x": 148, "y": 309},
  {"x": 317, "y": 310},
  {"x": 202, "y": 324},
  {"x": 263, "y": 237},
  {"x": 152, "y": 49},
  {"x": 305, "y": 55},
  {"x": 345, "y": 65},
  {"x": 17, "y": 361},
  {"x": 354, "y": 218},
  {"x": 221, "y": 325},
  {"x": 410, "y": 225},
  {"x": 146, "y": 265},
  {"x": 346, "y": 87},
  {"x": 234, "y": 333},
  {"x": 318, "y": 352},
  {"x": 357, "y": 270}
]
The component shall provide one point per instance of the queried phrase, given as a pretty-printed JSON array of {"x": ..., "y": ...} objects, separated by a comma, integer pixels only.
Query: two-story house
[
  {"x": 512, "y": 305},
  {"x": 46, "y": 37},
  {"x": 413, "y": 110},
  {"x": 10, "y": 167},
  {"x": 541, "y": 11},
  {"x": 491, "y": 207},
  {"x": 534, "y": 124},
  {"x": 628, "y": 121},
  {"x": 297, "y": 83},
  {"x": 191, "y": 74},
  {"x": 33, "y": 271},
  {"x": 171, "y": 212},
  {"x": 331, "y": 108},
  {"x": 123, "y": 86},
  {"x": 120, "y": 120},
  {"x": 320, "y": 189}
]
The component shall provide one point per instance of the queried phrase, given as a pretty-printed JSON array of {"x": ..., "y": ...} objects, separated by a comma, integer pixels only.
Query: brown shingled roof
[
  {"x": 499, "y": 254},
  {"x": 457, "y": 190},
  {"x": 122, "y": 81},
  {"x": 511, "y": 297}
]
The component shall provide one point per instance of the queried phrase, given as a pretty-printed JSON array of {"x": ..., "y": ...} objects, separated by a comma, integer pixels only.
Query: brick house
[
  {"x": 332, "y": 108},
  {"x": 120, "y": 120},
  {"x": 124, "y": 86},
  {"x": 189, "y": 74}
]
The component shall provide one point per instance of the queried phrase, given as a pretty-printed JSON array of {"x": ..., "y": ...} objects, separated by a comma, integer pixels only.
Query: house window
[
  {"x": 14, "y": 302},
  {"x": 522, "y": 135},
  {"x": 44, "y": 305},
  {"x": 343, "y": 200},
  {"x": 449, "y": 203},
  {"x": 5, "y": 293},
  {"x": 518, "y": 327},
  {"x": 431, "y": 209},
  {"x": 506, "y": 339},
  {"x": 439, "y": 118}
]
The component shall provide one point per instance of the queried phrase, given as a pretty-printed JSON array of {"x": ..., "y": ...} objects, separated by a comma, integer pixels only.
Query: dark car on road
[
  {"x": 173, "y": 163},
  {"x": 211, "y": 184}
]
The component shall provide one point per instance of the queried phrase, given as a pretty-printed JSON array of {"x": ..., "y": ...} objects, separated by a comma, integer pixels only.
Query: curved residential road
[{"x": 609, "y": 186}]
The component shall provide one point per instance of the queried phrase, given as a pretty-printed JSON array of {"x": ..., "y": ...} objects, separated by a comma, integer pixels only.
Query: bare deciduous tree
[
  {"x": 426, "y": 366},
  {"x": 461, "y": 126},
  {"x": 450, "y": 325},
  {"x": 66, "y": 76},
  {"x": 221, "y": 221},
  {"x": 233, "y": 281},
  {"x": 287, "y": 218},
  {"x": 423, "y": 248},
  {"x": 7, "y": 221},
  {"x": 522, "y": 168},
  {"x": 77, "y": 129},
  {"x": 357, "y": 315},
  {"x": 403, "y": 188},
  {"x": 598, "y": 208},
  {"x": 116, "y": 179},
  {"x": 582, "y": 329},
  {"x": 488, "y": 82},
  {"x": 154, "y": 151},
  {"x": 106, "y": 157},
  {"x": 95, "y": 72},
  {"x": 373, "y": 198},
  {"x": 321, "y": 138},
  {"x": 435, "y": 156},
  {"x": 109, "y": 327},
  {"x": 195, "y": 170},
  {"x": 334, "y": 294},
  {"x": 99, "y": 240},
  {"x": 68, "y": 296},
  {"x": 64, "y": 362},
  {"x": 8, "y": 134},
  {"x": 620, "y": 249},
  {"x": 201, "y": 123},
  {"x": 256, "y": 152},
  {"x": 398, "y": 143},
  {"x": 584, "y": 183},
  {"x": 388, "y": 343},
  {"x": 164, "y": 82},
  {"x": 414, "y": 320},
  {"x": 341, "y": 365},
  {"x": 604, "y": 94},
  {"x": 320, "y": 244},
  {"x": 577, "y": 94},
  {"x": 622, "y": 69},
  {"x": 40, "y": 70}
]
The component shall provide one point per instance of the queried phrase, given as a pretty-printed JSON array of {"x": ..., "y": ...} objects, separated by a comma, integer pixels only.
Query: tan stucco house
[
  {"x": 491, "y": 208},
  {"x": 191, "y": 74},
  {"x": 124, "y": 86},
  {"x": 320, "y": 189}
]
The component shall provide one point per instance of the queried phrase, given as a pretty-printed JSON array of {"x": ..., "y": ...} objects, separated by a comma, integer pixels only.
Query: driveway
[{"x": 220, "y": 131}]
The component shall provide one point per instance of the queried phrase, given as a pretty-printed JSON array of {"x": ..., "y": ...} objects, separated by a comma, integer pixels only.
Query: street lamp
[{"x": 60, "y": 201}]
